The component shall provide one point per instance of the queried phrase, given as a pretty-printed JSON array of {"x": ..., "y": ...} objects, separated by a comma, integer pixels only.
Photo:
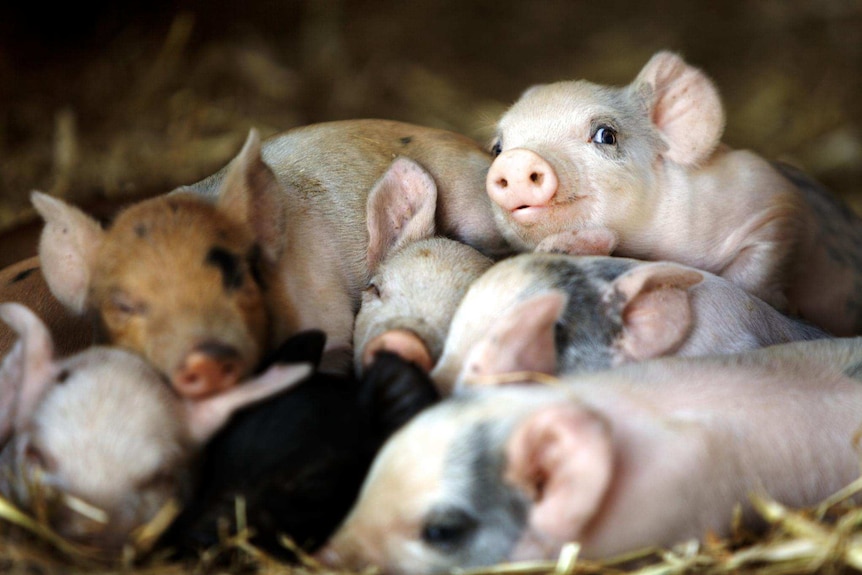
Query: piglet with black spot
[
  {"x": 558, "y": 314},
  {"x": 649, "y": 454}
]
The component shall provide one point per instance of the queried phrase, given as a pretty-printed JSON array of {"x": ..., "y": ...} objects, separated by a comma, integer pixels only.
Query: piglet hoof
[
  {"x": 402, "y": 342},
  {"x": 208, "y": 370},
  {"x": 591, "y": 242}
]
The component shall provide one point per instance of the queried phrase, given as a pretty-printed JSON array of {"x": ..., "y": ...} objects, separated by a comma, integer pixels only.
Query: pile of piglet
[{"x": 352, "y": 327}]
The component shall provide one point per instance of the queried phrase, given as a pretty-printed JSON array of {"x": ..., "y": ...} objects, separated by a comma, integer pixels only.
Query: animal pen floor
[{"x": 118, "y": 100}]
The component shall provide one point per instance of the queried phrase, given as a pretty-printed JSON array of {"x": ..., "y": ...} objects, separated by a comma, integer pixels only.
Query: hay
[{"x": 825, "y": 538}]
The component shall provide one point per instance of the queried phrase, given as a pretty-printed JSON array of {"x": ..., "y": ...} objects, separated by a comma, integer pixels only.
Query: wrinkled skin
[
  {"x": 68, "y": 427},
  {"x": 560, "y": 314},
  {"x": 640, "y": 171},
  {"x": 648, "y": 454}
]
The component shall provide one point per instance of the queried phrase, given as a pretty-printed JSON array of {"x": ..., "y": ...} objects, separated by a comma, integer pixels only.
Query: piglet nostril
[
  {"x": 502, "y": 183},
  {"x": 209, "y": 368},
  {"x": 537, "y": 178}
]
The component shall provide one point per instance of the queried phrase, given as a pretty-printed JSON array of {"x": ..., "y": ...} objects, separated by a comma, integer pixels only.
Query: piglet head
[
  {"x": 97, "y": 444},
  {"x": 580, "y": 156},
  {"x": 178, "y": 279},
  {"x": 480, "y": 478}
]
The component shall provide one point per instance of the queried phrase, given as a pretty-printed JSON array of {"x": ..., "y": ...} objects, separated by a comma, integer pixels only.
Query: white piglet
[
  {"x": 640, "y": 172},
  {"x": 99, "y": 439}
]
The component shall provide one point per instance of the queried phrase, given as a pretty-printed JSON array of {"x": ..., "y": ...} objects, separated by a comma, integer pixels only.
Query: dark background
[{"x": 105, "y": 99}]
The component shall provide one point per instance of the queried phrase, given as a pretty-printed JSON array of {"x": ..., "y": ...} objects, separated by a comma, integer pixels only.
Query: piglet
[
  {"x": 208, "y": 279},
  {"x": 408, "y": 304},
  {"x": 640, "y": 172},
  {"x": 298, "y": 460},
  {"x": 648, "y": 454},
  {"x": 560, "y": 314},
  {"x": 98, "y": 437}
]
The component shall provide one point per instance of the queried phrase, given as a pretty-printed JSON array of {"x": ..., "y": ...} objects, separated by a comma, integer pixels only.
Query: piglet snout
[
  {"x": 520, "y": 181},
  {"x": 209, "y": 368},
  {"x": 403, "y": 342}
]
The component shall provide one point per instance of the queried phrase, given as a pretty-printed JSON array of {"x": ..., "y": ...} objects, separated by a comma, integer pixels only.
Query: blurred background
[{"x": 113, "y": 99}]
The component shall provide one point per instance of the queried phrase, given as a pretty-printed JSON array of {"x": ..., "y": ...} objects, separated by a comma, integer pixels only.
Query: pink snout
[
  {"x": 208, "y": 369},
  {"x": 402, "y": 342},
  {"x": 521, "y": 182}
]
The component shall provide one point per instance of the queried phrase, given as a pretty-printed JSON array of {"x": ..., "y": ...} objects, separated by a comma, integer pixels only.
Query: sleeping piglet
[
  {"x": 298, "y": 460},
  {"x": 640, "y": 171},
  {"x": 408, "y": 304},
  {"x": 98, "y": 437},
  {"x": 558, "y": 314},
  {"x": 648, "y": 454},
  {"x": 208, "y": 279}
]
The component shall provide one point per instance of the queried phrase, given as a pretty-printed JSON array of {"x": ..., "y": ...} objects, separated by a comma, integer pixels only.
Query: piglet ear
[
  {"x": 400, "y": 209},
  {"x": 251, "y": 193},
  {"x": 26, "y": 371},
  {"x": 684, "y": 105},
  {"x": 561, "y": 457},
  {"x": 656, "y": 308},
  {"x": 205, "y": 417},
  {"x": 68, "y": 248},
  {"x": 522, "y": 339}
]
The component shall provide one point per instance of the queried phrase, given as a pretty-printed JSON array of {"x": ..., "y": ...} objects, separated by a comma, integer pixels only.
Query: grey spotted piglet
[
  {"x": 559, "y": 314},
  {"x": 649, "y": 454}
]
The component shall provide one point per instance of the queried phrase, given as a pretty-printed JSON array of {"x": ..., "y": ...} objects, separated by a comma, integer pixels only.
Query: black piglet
[{"x": 299, "y": 459}]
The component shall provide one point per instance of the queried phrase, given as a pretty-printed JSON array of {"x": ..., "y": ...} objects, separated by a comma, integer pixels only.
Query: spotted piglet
[
  {"x": 640, "y": 172},
  {"x": 97, "y": 438},
  {"x": 560, "y": 314},
  {"x": 205, "y": 287},
  {"x": 646, "y": 455}
]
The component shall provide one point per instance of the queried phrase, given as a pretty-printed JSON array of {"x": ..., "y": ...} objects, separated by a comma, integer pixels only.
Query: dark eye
[
  {"x": 372, "y": 290},
  {"x": 497, "y": 148},
  {"x": 124, "y": 303},
  {"x": 605, "y": 135},
  {"x": 448, "y": 529}
]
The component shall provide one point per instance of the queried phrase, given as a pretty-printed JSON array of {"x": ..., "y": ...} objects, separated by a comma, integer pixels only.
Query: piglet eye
[
  {"x": 497, "y": 148},
  {"x": 372, "y": 290},
  {"x": 124, "y": 304},
  {"x": 605, "y": 135},
  {"x": 448, "y": 529}
]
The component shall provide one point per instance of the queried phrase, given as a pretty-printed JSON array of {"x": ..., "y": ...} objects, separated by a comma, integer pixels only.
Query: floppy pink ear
[
  {"x": 68, "y": 248},
  {"x": 684, "y": 105},
  {"x": 251, "y": 192},
  {"x": 400, "y": 209},
  {"x": 561, "y": 457},
  {"x": 522, "y": 339},
  {"x": 657, "y": 313},
  {"x": 27, "y": 370},
  {"x": 206, "y": 416}
]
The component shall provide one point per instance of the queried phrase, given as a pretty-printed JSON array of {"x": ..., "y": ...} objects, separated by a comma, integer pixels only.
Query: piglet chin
[{"x": 527, "y": 215}]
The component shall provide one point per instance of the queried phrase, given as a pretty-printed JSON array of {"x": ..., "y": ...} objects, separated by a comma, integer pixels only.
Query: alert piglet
[
  {"x": 560, "y": 314},
  {"x": 640, "y": 171},
  {"x": 648, "y": 454},
  {"x": 298, "y": 460},
  {"x": 408, "y": 304},
  {"x": 97, "y": 438}
]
